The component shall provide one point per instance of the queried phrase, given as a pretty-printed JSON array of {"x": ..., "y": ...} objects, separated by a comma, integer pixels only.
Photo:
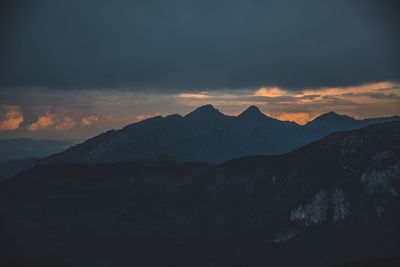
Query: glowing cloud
[
  {"x": 12, "y": 117},
  {"x": 201, "y": 95},
  {"x": 89, "y": 120},
  {"x": 43, "y": 122},
  {"x": 382, "y": 87},
  {"x": 270, "y": 92},
  {"x": 67, "y": 123}
]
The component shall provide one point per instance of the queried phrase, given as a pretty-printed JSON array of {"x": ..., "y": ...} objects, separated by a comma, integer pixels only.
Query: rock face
[
  {"x": 317, "y": 210},
  {"x": 340, "y": 204},
  {"x": 298, "y": 209},
  {"x": 207, "y": 135},
  {"x": 382, "y": 181},
  {"x": 314, "y": 212}
]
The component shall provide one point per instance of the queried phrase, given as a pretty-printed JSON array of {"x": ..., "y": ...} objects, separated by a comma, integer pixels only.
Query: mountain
[
  {"x": 206, "y": 135},
  {"x": 22, "y": 148},
  {"x": 253, "y": 113},
  {"x": 332, "y": 122},
  {"x": 205, "y": 113},
  {"x": 333, "y": 202}
]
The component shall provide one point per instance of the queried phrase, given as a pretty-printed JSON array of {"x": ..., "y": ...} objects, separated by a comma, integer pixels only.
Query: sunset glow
[
  {"x": 63, "y": 119},
  {"x": 299, "y": 118}
]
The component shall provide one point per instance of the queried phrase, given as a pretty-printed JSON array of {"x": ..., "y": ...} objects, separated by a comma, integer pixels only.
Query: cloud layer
[
  {"x": 72, "y": 69},
  {"x": 190, "y": 45}
]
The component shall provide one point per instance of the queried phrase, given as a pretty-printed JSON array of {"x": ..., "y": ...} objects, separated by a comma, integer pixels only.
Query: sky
[{"x": 73, "y": 69}]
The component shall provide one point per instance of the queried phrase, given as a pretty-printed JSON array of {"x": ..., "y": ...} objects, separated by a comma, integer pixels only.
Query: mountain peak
[
  {"x": 333, "y": 120},
  {"x": 252, "y": 110},
  {"x": 204, "y": 112},
  {"x": 330, "y": 114},
  {"x": 333, "y": 115},
  {"x": 207, "y": 107}
]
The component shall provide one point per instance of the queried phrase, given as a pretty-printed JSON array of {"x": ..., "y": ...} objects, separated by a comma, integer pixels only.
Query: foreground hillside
[{"x": 330, "y": 203}]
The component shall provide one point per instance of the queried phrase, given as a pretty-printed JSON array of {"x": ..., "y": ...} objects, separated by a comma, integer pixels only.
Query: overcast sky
[{"x": 72, "y": 69}]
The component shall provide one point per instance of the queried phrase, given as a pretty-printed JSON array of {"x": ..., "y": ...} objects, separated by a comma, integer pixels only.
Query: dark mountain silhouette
[
  {"x": 254, "y": 114},
  {"x": 329, "y": 203},
  {"x": 205, "y": 113},
  {"x": 332, "y": 122},
  {"x": 207, "y": 135}
]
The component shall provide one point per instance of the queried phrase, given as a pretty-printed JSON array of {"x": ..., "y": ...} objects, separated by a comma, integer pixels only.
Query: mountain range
[
  {"x": 207, "y": 135},
  {"x": 328, "y": 203}
]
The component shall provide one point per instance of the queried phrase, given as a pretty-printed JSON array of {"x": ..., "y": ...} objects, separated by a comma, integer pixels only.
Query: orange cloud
[
  {"x": 66, "y": 124},
  {"x": 89, "y": 120},
  {"x": 383, "y": 87},
  {"x": 43, "y": 122},
  {"x": 13, "y": 117},
  {"x": 270, "y": 92},
  {"x": 50, "y": 121},
  {"x": 300, "y": 118},
  {"x": 201, "y": 95}
]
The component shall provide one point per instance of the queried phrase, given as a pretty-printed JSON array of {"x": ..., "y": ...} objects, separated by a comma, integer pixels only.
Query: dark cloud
[{"x": 197, "y": 45}]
